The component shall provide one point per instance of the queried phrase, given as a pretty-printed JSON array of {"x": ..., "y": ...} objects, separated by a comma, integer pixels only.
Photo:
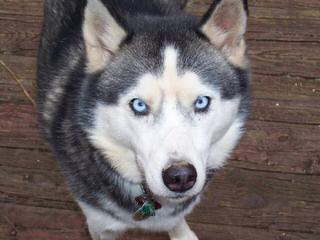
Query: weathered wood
[
  {"x": 282, "y": 147},
  {"x": 217, "y": 232},
  {"x": 35, "y": 159},
  {"x": 285, "y": 20},
  {"x": 281, "y": 58},
  {"x": 269, "y": 190},
  {"x": 236, "y": 196},
  {"x": 283, "y": 98},
  {"x": 276, "y": 98},
  {"x": 19, "y": 127},
  {"x": 40, "y": 223},
  {"x": 57, "y": 224},
  {"x": 36, "y": 184},
  {"x": 20, "y": 22},
  {"x": 241, "y": 197},
  {"x": 25, "y": 69},
  {"x": 277, "y": 146}
]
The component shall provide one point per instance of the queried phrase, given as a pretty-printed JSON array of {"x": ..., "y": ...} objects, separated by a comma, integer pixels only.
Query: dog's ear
[
  {"x": 102, "y": 33},
  {"x": 224, "y": 25}
]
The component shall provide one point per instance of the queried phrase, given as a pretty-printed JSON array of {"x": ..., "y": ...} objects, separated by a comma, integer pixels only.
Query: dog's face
[{"x": 167, "y": 109}]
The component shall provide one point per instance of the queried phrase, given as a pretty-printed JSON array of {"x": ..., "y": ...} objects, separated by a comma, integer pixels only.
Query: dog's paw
[
  {"x": 182, "y": 231},
  {"x": 190, "y": 235}
]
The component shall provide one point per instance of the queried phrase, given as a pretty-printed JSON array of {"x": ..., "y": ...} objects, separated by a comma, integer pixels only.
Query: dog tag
[{"x": 147, "y": 208}]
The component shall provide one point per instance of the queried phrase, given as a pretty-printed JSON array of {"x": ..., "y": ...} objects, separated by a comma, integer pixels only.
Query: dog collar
[{"x": 147, "y": 206}]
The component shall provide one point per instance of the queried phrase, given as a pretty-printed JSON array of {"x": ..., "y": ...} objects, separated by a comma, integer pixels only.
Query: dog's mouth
[
  {"x": 176, "y": 198},
  {"x": 179, "y": 199}
]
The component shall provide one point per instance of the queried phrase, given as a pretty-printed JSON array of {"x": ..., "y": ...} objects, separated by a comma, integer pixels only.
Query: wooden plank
[
  {"x": 265, "y": 200},
  {"x": 286, "y": 98},
  {"x": 279, "y": 147},
  {"x": 287, "y": 111},
  {"x": 270, "y": 189},
  {"x": 19, "y": 127},
  {"x": 27, "y": 183},
  {"x": 25, "y": 69},
  {"x": 236, "y": 196},
  {"x": 288, "y": 8},
  {"x": 25, "y": 172},
  {"x": 30, "y": 223},
  {"x": 219, "y": 232},
  {"x": 264, "y": 144},
  {"x": 274, "y": 136},
  {"x": 281, "y": 58},
  {"x": 34, "y": 159},
  {"x": 276, "y": 20},
  {"x": 22, "y": 8},
  {"x": 289, "y": 21},
  {"x": 29, "y": 217},
  {"x": 283, "y": 97},
  {"x": 19, "y": 37},
  {"x": 20, "y": 22},
  {"x": 50, "y": 224},
  {"x": 285, "y": 87},
  {"x": 222, "y": 232}
]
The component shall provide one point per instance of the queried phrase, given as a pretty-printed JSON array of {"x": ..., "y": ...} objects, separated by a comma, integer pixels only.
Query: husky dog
[{"x": 141, "y": 103}]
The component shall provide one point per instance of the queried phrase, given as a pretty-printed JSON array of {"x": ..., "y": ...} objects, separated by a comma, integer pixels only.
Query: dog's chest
[{"x": 115, "y": 218}]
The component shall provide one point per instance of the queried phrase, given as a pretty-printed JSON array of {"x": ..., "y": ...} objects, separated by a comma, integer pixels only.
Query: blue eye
[
  {"x": 202, "y": 104},
  {"x": 139, "y": 107}
]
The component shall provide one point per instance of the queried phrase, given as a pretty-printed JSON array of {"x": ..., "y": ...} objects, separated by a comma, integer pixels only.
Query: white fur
[
  {"x": 102, "y": 35},
  {"x": 144, "y": 146},
  {"x": 104, "y": 227},
  {"x": 101, "y": 225},
  {"x": 231, "y": 40},
  {"x": 182, "y": 232},
  {"x": 141, "y": 147},
  {"x": 109, "y": 121},
  {"x": 223, "y": 147}
]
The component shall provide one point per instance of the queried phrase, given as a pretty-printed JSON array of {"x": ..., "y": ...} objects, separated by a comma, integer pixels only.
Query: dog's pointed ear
[
  {"x": 102, "y": 34},
  {"x": 224, "y": 25}
]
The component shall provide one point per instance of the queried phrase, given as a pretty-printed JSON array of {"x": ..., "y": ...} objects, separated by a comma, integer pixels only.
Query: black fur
[
  {"x": 213, "y": 7},
  {"x": 151, "y": 24}
]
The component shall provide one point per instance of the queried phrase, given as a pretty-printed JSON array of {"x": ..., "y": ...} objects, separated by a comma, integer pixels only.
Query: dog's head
[{"x": 168, "y": 95}]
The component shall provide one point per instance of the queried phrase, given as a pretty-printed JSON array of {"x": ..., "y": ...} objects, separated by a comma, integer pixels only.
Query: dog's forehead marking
[
  {"x": 170, "y": 71},
  {"x": 172, "y": 85},
  {"x": 175, "y": 85}
]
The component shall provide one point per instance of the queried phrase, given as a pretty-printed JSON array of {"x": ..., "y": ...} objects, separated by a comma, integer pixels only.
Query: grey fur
[{"x": 68, "y": 94}]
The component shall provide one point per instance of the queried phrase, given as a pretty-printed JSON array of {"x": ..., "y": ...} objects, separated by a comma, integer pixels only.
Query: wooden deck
[{"x": 271, "y": 187}]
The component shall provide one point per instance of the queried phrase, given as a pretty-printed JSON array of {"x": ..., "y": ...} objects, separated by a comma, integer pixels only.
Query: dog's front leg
[
  {"x": 102, "y": 235},
  {"x": 182, "y": 232}
]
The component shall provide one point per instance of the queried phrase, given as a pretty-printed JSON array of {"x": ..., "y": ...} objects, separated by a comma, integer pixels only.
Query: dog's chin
[
  {"x": 175, "y": 199},
  {"x": 178, "y": 199}
]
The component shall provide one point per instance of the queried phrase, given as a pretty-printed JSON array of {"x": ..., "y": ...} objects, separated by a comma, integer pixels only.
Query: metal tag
[{"x": 147, "y": 207}]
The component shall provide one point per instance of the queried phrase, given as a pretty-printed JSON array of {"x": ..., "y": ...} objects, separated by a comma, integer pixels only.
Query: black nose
[{"x": 180, "y": 177}]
